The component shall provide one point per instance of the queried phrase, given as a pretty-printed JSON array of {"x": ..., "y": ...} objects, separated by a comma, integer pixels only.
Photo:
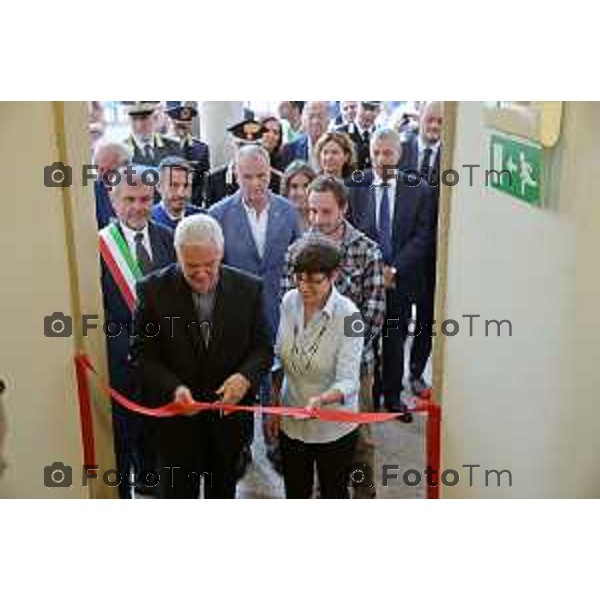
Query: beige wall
[
  {"x": 37, "y": 279},
  {"x": 528, "y": 403}
]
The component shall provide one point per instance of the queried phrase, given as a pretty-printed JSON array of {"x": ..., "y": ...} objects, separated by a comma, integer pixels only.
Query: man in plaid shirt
[{"x": 360, "y": 279}]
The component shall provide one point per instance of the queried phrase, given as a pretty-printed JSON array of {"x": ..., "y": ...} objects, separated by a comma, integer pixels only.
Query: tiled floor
[{"x": 398, "y": 444}]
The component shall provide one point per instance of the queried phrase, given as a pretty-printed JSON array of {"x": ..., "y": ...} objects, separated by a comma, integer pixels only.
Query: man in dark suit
[
  {"x": 130, "y": 247},
  {"x": 148, "y": 147},
  {"x": 421, "y": 154},
  {"x": 397, "y": 212},
  {"x": 193, "y": 150},
  {"x": 361, "y": 130},
  {"x": 315, "y": 117},
  {"x": 107, "y": 158},
  {"x": 222, "y": 182},
  {"x": 217, "y": 346}
]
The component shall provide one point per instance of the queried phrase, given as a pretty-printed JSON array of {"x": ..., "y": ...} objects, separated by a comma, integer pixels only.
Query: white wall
[{"x": 518, "y": 402}]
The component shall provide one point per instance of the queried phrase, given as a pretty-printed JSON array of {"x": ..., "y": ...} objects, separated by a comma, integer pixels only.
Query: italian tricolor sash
[{"x": 121, "y": 264}]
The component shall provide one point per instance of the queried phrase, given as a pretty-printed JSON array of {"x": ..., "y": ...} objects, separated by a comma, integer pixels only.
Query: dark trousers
[
  {"x": 332, "y": 459},
  {"x": 389, "y": 364},
  {"x": 204, "y": 448},
  {"x": 422, "y": 342}
]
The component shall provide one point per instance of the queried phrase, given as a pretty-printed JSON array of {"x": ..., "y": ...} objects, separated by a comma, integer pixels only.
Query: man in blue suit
[
  {"x": 398, "y": 213},
  {"x": 421, "y": 154},
  {"x": 258, "y": 227},
  {"x": 315, "y": 117},
  {"x": 130, "y": 247}
]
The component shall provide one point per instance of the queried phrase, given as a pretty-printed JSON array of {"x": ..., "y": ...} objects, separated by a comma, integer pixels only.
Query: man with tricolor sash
[{"x": 130, "y": 247}]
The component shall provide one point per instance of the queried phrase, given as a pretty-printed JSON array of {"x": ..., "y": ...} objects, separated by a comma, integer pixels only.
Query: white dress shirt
[
  {"x": 317, "y": 359},
  {"x": 258, "y": 225},
  {"x": 378, "y": 189},
  {"x": 130, "y": 239}
]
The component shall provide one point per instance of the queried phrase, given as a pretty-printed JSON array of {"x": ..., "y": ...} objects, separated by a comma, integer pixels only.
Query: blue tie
[{"x": 385, "y": 226}]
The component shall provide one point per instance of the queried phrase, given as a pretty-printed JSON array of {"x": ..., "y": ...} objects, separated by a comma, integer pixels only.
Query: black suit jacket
[
  {"x": 413, "y": 228},
  {"x": 363, "y": 150},
  {"x": 177, "y": 356},
  {"x": 163, "y": 146},
  {"x": 116, "y": 309},
  {"x": 410, "y": 162}
]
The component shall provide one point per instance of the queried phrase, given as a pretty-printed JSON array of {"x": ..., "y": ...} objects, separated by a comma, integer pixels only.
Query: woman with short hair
[{"x": 317, "y": 366}]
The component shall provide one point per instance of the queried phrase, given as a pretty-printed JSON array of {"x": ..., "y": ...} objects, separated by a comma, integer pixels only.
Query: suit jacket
[
  {"x": 295, "y": 150},
  {"x": 410, "y": 161},
  {"x": 104, "y": 210},
  {"x": 197, "y": 154},
  {"x": 283, "y": 228},
  {"x": 410, "y": 156},
  {"x": 220, "y": 183},
  {"x": 413, "y": 229},
  {"x": 239, "y": 342},
  {"x": 163, "y": 146},
  {"x": 363, "y": 150},
  {"x": 116, "y": 310}
]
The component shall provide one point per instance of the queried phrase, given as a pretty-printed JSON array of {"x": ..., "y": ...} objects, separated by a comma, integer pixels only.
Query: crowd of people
[{"x": 286, "y": 277}]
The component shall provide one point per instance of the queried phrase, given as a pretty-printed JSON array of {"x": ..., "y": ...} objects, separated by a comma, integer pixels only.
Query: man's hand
[
  {"x": 272, "y": 427},
  {"x": 234, "y": 388},
  {"x": 183, "y": 397},
  {"x": 389, "y": 277}
]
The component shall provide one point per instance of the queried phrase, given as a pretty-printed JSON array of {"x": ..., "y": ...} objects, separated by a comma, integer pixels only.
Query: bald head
[
  {"x": 314, "y": 119},
  {"x": 430, "y": 122}
]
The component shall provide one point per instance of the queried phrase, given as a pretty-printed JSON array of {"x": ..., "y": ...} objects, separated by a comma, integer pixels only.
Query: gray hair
[
  {"x": 252, "y": 151},
  {"x": 197, "y": 230},
  {"x": 132, "y": 175},
  {"x": 123, "y": 152},
  {"x": 386, "y": 133}
]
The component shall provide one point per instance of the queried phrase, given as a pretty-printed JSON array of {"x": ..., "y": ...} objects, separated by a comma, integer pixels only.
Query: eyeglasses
[{"x": 311, "y": 280}]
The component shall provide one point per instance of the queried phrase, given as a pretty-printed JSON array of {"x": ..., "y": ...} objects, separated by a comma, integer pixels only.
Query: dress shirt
[
  {"x": 317, "y": 359},
  {"x": 130, "y": 238},
  {"x": 378, "y": 189},
  {"x": 258, "y": 225}
]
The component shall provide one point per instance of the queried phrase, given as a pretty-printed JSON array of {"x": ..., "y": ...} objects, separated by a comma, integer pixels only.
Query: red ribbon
[{"x": 172, "y": 409}]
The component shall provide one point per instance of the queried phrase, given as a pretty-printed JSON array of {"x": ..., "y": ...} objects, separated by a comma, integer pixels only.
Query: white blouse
[{"x": 317, "y": 359}]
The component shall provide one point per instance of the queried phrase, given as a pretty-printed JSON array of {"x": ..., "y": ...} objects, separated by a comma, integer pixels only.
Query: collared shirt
[
  {"x": 258, "y": 225},
  {"x": 378, "y": 189},
  {"x": 360, "y": 279},
  {"x": 421, "y": 145},
  {"x": 313, "y": 160},
  {"x": 130, "y": 238},
  {"x": 317, "y": 358}
]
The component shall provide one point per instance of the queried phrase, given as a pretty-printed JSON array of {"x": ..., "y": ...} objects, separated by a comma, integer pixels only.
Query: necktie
[
  {"x": 385, "y": 226},
  {"x": 143, "y": 258},
  {"x": 149, "y": 152},
  {"x": 425, "y": 162}
]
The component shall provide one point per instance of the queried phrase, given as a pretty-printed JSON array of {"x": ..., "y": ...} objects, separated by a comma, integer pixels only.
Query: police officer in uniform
[
  {"x": 148, "y": 147},
  {"x": 193, "y": 150},
  {"x": 221, "y": 182},
  {"x": 361, "y": 129}
]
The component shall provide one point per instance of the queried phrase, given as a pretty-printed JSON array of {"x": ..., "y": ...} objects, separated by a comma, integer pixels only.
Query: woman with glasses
[{"x": 317, "y": 365}]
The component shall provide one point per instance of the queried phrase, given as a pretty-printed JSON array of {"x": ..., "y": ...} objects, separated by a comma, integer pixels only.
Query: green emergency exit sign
[{"x": 519, "y": 165}]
